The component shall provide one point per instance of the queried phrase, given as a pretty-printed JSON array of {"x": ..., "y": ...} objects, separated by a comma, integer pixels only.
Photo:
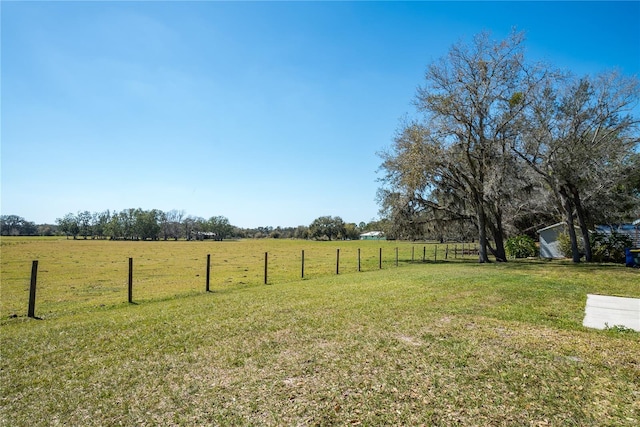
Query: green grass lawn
[{"x": 447, "y": 343}]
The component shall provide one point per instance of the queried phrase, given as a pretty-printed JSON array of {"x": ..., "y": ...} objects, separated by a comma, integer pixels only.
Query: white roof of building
[
  {"x": 373, "y": 233},
  {"x": 552, "y": 226}
]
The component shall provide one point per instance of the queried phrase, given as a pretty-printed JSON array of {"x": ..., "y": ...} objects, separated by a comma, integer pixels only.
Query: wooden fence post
[
  {"x": 337, "y": 261},
  {"x": 413, "y": 251},
  {"x": 32, "y": 290},
  {"x": 396, "y": 256},
  {"x": 424, "y": 253},
  {"x": 266, "y": 256},
  {"x": 435, "y": 254},
  {"x": 358, "y": 259},
  {"x": 208, "y": 270},
  {"x": 446, "y": 252},
  {"x": 380, "y": 259},
  {"x": 130, "y": 280},
  {"x": 302, "y": 274}
]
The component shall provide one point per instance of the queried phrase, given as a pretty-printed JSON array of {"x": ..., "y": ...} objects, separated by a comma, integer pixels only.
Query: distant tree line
[
  {"x": 323, "y": 228},
  {"x": 14, "y": 225},
  {"x": 154, "y": 224},
  {"x": 140, "y": 224},
  {"x": 503, "y": 147}
]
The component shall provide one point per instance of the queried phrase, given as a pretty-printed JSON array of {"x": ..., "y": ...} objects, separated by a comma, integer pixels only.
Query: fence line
[{"x": 462, "y": 253}]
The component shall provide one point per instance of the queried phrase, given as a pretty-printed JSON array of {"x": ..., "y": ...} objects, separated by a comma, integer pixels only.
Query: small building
[
  {"x": 373, "y": 235},
  {"x": 550, "y": 242},
  {"x": 549, "y": 236}
]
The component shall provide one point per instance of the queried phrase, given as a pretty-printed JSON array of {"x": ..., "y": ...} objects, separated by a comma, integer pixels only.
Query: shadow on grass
[
  {"x": 15, "y": 318},
  {"x": 560, "y": 264}
]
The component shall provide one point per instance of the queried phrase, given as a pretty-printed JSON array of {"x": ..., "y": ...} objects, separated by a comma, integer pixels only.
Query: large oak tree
[
  {"x": 457, "y": 158},
  {"x": 580, "y": 137}
]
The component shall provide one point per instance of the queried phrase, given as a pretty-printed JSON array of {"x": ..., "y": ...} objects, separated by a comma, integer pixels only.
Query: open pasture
[
  {"x": 448, "y": 343},
  {"x": 91, "y": 274}
]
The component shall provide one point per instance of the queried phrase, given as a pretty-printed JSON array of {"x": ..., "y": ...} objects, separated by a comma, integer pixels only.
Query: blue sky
[{"x": 268, "y": 113}]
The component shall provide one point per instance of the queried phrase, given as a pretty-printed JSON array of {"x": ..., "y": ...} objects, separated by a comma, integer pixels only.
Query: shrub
[
  {"x": 609, "y": 247},
  {"x": 564, "y": 242},
  {"x": 520, "y": 246}
]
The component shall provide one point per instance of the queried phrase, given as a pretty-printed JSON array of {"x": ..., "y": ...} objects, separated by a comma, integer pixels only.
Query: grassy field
[
  {"x": 82, "y": 275},
  {"x": 446, "y": 343}
]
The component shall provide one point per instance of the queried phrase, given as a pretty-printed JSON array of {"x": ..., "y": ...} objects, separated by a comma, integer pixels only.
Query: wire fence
[{"x": 88, "y": 275}]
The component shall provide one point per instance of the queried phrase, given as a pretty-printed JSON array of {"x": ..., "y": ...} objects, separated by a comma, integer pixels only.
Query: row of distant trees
[
  {"x": 14, "y": 225},
  {"x": 502, "y": 146},
  {"x": 140, "y": 224},
  {"x": 154, "y": 224}
]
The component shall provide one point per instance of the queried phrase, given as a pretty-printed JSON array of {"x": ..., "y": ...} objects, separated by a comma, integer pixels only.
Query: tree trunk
[
  {"x": 482, "y": 236},
  {"x": 497, "y": 232},
  {"x": 568, "y": 212},
  {"x": 498, "y": 237},
  {"x": 583, "y": 224}
]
